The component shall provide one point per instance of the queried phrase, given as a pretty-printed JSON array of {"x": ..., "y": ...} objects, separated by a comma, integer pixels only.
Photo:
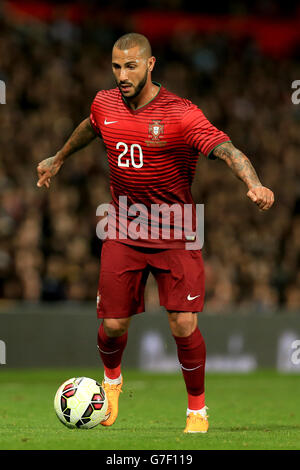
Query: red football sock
[
  {"x": 111, "y": 351},
  {"x": 191, "y": 352}
]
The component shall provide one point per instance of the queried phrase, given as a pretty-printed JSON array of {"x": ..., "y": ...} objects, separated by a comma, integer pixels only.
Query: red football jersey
[{"x": 152, "y": 153}]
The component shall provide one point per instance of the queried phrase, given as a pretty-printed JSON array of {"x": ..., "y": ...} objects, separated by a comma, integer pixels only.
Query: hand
[
  {"x": 46, "y": 169},
  {"x": 262, "y": 196}
]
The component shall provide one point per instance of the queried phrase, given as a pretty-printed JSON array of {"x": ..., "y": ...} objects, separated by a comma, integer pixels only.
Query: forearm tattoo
[
  {"x": 82, "y": 136},
  {"x": 239, "y": 164}
]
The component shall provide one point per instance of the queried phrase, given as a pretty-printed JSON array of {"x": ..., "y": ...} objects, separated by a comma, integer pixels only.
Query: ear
[{"x": 151, "y": 63}]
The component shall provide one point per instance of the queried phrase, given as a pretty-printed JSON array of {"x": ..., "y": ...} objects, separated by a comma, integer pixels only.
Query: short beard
[{"x": 138, "y": 88}]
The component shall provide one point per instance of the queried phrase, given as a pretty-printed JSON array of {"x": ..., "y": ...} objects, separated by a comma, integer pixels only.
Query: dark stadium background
[{"x": 237, "y": 62}]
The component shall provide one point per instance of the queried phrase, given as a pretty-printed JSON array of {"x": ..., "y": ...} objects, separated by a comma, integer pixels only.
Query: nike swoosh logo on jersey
[
  {"x": 192, "y": 298},
  {"x": 109, "y": 122}
]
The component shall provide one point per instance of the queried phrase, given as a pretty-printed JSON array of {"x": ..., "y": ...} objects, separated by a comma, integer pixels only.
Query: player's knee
[
  {"x": 115, "y": 326},
  {"x": 183, "y": 324}
]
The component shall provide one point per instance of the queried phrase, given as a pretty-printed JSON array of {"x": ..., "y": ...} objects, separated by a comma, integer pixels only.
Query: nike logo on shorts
[
  {"x": 192, "y": 298},
  {"x": 109, "y": 122}
]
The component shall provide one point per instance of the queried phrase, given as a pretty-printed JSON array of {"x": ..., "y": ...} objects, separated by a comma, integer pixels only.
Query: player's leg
[
  {"x": 120, "y": 295},
  {"x": 112, "y": 340},
  {"x": 191, "y": 352},
  {"x": 180, "y": 278}
]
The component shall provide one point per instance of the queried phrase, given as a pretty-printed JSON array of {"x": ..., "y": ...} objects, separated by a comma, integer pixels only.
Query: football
[{"x": 80, "y": 402}]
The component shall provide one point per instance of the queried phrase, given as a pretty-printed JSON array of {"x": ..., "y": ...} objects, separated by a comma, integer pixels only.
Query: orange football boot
[
  {"x": 112, "y": 393},
  {"x": 195, "y": 422}
]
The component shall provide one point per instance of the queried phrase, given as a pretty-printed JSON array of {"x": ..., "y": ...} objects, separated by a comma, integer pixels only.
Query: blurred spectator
[{"x": 48, "y": 245}]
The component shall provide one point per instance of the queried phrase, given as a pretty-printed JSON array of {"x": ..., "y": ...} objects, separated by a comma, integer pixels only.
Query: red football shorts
[{"x": 124, "y": 270}]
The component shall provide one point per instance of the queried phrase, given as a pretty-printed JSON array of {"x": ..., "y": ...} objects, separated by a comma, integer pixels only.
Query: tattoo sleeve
[
  {"x": 239, "y": 164},
  {"x": 81, "y": 136}
]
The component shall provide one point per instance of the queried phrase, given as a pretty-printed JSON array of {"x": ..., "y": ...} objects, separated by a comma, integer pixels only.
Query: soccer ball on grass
[{"x": 80, "y": 402}]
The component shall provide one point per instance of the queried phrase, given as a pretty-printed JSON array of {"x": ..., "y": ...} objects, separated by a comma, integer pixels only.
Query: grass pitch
[{"x": 251, "y": 411}]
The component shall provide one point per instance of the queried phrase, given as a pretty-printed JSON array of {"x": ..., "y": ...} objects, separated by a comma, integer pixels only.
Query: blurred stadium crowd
[{"x": 48, "y": 244}]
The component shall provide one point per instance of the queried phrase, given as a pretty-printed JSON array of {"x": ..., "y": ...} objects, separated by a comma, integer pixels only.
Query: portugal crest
[{"x": 156, "y": 130}]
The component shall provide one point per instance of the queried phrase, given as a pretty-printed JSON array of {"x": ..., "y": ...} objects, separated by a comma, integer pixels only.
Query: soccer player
[{"x": 153, "y": 139}]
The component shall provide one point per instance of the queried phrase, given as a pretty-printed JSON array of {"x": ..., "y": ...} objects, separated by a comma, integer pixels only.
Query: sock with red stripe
[
  {"x": 191, "y": 352},
  {"x": 111, "y": 350}
]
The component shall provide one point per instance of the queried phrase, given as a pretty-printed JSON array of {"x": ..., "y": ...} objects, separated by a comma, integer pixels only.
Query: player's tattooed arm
[
  {"x": 239, "y": 163},
  {"x": 81, "y": 137},
  {"x": 244, "y": 170}
]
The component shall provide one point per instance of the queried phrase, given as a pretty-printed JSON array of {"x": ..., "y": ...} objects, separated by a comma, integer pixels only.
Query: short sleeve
[
  {"x": 93, "y": 117},
  {"x": 201, "y": 134}
]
